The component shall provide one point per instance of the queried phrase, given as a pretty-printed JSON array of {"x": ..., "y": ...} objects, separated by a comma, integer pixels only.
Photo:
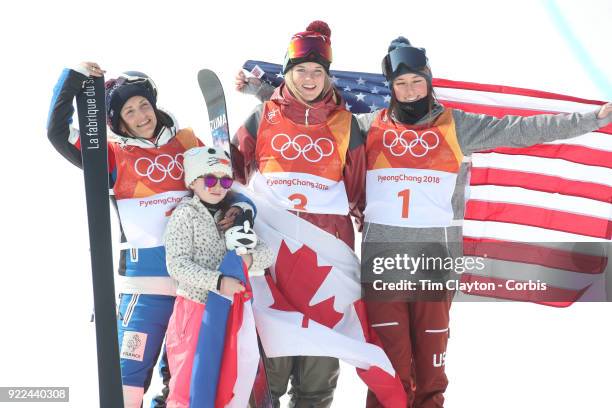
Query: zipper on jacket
[
  {"x": 129, "y": 311},
  {"x": 446, "y": 241},
  {"x": 365, "y": 235},
  {"x": 306, "y": 116}
]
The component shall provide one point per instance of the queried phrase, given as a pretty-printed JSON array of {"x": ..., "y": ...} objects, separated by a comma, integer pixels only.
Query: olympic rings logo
[
  {"x": 302, "y": 145},
  {"x": 163, "y": 166},
  {"x": 417, "y": 145}
]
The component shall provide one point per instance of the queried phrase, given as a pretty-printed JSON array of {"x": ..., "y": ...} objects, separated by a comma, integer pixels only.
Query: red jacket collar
[{"x": 299, "y": 113}]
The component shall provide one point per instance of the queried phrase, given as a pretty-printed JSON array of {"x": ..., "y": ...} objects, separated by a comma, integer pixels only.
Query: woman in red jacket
[{"x": 304, "y": 150}]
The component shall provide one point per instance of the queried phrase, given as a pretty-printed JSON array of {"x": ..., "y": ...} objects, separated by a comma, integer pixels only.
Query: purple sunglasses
[{"x": 210, "y": 180}]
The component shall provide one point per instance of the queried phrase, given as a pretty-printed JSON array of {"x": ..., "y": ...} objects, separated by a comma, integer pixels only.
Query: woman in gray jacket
[{"x": 425, "y": 141}]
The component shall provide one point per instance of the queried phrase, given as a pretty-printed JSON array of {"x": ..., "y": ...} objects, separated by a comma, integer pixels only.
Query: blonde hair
[{"x": 327, "y": 87}]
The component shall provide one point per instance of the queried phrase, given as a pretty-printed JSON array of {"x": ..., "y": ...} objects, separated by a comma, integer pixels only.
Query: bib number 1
[{"x": 404, "y": 195}]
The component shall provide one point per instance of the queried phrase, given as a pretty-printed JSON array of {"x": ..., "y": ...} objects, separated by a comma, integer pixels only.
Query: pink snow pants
[{"x": 181, "y": 341}]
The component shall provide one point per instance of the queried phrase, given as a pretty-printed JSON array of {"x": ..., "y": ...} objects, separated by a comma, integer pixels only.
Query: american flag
[{"x": 542, "y": 213}]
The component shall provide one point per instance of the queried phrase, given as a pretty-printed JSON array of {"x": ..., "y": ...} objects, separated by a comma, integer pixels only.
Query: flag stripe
[
  {"x": 537, "y": 217},
  {"x": 208, "y": 356},
  {"x": 539, "y": 182},
  {"x": 516, "y": 232},
  {"x": 248, "y": 360},
  {"x": 229, "y": 361},
  {"x": 494, "y": 110},
  {"x": 546, "y": 201},
  {"x": 535, "y": 254},
  {"x": 573, "y": 153},
  {"x": 524, "y": 272},
  {"x": 595, "y": 140},
  {"x": 551, "y": 167},
  {"x": 509, "y": 90}
]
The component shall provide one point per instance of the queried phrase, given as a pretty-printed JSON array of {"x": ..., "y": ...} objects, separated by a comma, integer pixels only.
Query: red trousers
[{"x": 414, "y": 335}]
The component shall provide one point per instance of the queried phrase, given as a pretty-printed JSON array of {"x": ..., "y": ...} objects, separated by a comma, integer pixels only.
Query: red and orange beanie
[{"x": 312, "y": 45}]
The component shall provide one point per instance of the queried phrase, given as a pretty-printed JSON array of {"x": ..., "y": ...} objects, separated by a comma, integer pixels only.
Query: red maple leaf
[{"x": 298, "y": 278}]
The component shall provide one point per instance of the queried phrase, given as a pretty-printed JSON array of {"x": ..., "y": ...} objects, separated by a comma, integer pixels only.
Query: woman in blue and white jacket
[{"x": 145, "y": 157}]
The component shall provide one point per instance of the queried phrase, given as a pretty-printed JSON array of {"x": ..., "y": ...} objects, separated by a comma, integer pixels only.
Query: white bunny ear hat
[{"x": 200, "y": 161}]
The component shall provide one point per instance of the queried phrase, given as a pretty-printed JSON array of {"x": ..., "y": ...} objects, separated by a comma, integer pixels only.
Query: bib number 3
[{"x": 299, "y": 200}]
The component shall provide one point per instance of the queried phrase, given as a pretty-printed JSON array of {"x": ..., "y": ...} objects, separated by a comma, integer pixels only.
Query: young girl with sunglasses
[{"x": 195, "y": 249}]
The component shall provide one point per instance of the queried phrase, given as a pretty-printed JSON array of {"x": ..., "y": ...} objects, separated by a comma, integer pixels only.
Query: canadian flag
[{"x": 311, "y": 304}]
